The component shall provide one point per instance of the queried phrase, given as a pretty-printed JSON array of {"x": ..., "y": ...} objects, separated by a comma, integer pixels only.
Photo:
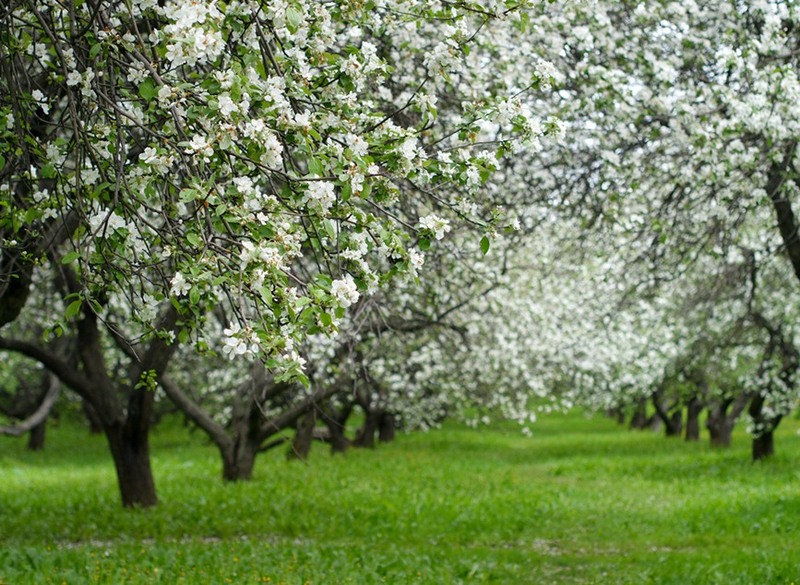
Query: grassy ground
[{"x": 582, "y": 501}]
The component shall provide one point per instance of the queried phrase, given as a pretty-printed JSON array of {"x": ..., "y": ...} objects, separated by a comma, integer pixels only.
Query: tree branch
[
  {"x": 41, "y": 413},
  {"x": 68, "y": 375}
]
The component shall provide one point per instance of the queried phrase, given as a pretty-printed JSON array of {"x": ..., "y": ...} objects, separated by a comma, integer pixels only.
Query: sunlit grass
[{"x": 582, "y": 501}]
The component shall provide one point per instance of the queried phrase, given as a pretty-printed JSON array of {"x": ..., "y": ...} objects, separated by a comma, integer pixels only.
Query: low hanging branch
[{"x": 40, "y": 415}]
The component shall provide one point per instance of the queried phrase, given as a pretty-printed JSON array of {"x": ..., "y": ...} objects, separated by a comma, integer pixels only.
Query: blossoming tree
[{"x": 270, "y": 161}]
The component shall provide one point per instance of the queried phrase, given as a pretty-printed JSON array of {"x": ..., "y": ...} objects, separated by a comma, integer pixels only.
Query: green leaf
[
  {"x": 424, "y": 244},
  {"x": 31, "y": 215},
  {"x": 48, "y": 172},
  {"x": 194, "y": 295},
  {"x": 330, "y": 229},
  {"x": 315, "y": 167},
  {"x": 294, "y": 18},
  {"x": 193, "y": 238},
  {"x": 147, "y": 89},
  {"x": 326, "y": 319},
  {"x": 73, "y": 309},
  {"x": 70, "y": 257},
  {"x": 485, "y": 245},
  {"x": 367, "y": 189},
  {"x": 183, "y": 335}
]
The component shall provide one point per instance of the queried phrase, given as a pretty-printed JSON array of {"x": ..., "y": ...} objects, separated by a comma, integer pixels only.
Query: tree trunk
[
  {"x": 721, "y": 430},
  {"x": 654, "y": 423},
  {"x": 365, "y": 437},
  {"x": 303, "y": 437},
  {"x": 674, "y": 424},
  {"x": 238, "y": 460},
  {"x": 131, "y": 452},
  {"x": 386, "y": 429},
  {"x": 639, "y": 417},
  {"x": 694, "y": 408},
  {"x": 764, "y": 442},
  {"x": 763, "y": 446},
  {"x": 339, "y": 442},
  {"x": 36, "y": 436},
  {"x": 95, "y": 425}
]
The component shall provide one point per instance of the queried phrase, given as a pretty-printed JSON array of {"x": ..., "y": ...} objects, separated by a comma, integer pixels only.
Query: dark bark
[
  {"x": 15, "y": 288},
  {"x": 335, "y": 420},
  {"x": 339, "y": 442},
  {"x": 304, "y": 437},
  {"x": 720, "y": 421},
  {"x": 764, "y": 442},
  {"x": 674, "y": 425},
  {"x": 639, "y": 417},
  {"x": 720, "y": 431},
  {"x": 387, "y": 426},
  {"x": 693, "y": 409},
  {"x": 130, "y": 448},
  {"x": 335, "y": 435},
  {"x": 17, "y": 266},
  {"x": 365, "y": 437},
  {"x": 784, "y": 214},
  {"x": 238, "y": 461},
  {"x": 673, "y": 421},
  {"x": 36, "y": 437},
  {"x": 95, "y": 425},
  {"x": 763, "y": 446}
]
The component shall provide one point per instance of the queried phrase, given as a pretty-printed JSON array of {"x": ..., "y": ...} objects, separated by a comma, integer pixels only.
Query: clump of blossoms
[{"x": 276, "y": 160}]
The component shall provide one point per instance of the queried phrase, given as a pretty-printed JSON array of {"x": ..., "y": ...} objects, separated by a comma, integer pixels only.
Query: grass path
[{"x": 582, "y": 501}]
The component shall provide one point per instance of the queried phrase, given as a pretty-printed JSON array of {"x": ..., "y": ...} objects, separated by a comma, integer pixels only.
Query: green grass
[{"x": 582, "y": 501}]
